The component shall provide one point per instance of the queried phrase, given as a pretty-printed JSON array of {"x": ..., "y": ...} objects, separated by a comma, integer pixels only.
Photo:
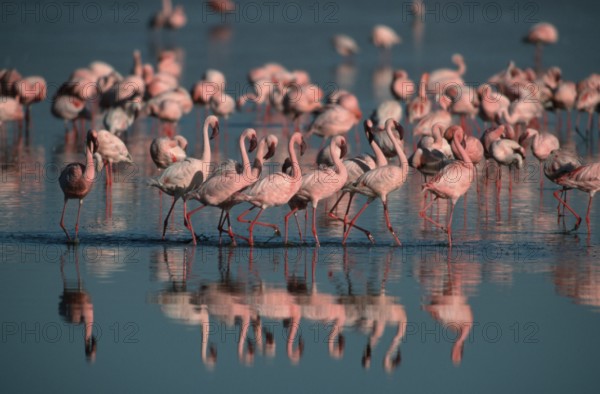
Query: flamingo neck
[
  {"x": 461, "y": 151},
  {"x": 206, "y": 141},
  {"x": 399, "y": 151},
  {"x": 257, "y": 166},
  {"x": 340, "y": 168},
  {"x": 380, "y": 158},
  {"x": 422, "y": 90},
  {"x": 90, "y": 170},
  {"x": 296, "y": 172},
  {"x": 246, "y": 170}
]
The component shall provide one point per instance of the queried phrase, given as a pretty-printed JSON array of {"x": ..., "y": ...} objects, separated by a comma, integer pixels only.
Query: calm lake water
[{"x": 514, "y": 305}]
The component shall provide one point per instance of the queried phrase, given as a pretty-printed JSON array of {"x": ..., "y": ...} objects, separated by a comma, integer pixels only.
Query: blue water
[{"x": 526, "y": 291}]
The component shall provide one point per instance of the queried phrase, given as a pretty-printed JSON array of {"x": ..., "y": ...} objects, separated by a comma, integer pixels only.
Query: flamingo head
[
  {"x": 287, "y": 164},
  {"x": 213, "y": 121},
  {"x": 272, "y": 145},
  {"x": 92, "y": 140},
  {"x": 343, "y": 147},
  {"x": 399, "y": 129}
]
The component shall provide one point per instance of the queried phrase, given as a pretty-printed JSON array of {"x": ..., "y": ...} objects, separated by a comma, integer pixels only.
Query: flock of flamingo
[{"x": 441, "y": 108}]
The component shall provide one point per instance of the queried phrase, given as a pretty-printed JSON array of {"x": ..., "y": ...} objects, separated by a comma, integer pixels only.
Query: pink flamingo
[
  {"x": 275, "y": 189},
  {"x": 232, "y": 177},
  {"x": 433, "y": 152},
  {"x": 491, "y": 102},
  {"x": 165, "y": 151},
  {"x": 336, "y": 119},
  {"x": 323, "y": 182},
  {"x": 425, "y": 125},
  {"x": 402, "y": 86},
  {"x": 587, "y": 100},
  {"x": 379, "y": 182},
  {"x": 384, "y": 37},
  {"x": 8, "y": 80},
  {"x": 183, "y": 176},
  {"x": 542, "y": 145},
  {"x": 564, "y": 98},
  {"x": 541, "y": 34},
  {"x": 10, "y": 110},
  {"x": 509, "y": 153},
  {"x": 356, "y": 167},
  {"x": 169, "y": 112},
  {"x": 585, "y": 178},
  {"x": 451, "y": 183},
  {"x": 384, "y": 111},
  {"x": 441, "y": 78},
  {"x": 345, "y": 45},
  {"x": 473, "y": 147},
  {"x": 112, "y": 150},
  {"x": 222, "y": 104},
  {"x": 31, "y": 90},
  {"x": 67, "y": 107},
  {"x": 76, "y": 180},
  {"x": 557, "y": 164},
  {"x": 420, "y": 105}
]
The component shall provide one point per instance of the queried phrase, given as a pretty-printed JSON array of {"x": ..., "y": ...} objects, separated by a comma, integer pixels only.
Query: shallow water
[{"x": 521, "y": 291}]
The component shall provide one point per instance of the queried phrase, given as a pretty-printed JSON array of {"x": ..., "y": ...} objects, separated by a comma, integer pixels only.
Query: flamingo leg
[
  {"x": 77, "y": 222},
  {"x": 423, "y": 214},
  {"x": 347, "y": 233},
  {"x": 220, "y": 225},
  {"x": 241, "y": 217},
  {"x": 348, "y": 210},
  {"x": 314, "y": 225},
  {"x": 188, "y": 219},
  {"x": 62, "y": 220},
  {"x": 298, "y": 225},
  {"x": 389, "y": 223},
  {"x": 555, "y": 194},
  {"x": 251, "y": 228},
  {"x": 449, "y": 224},
  {"x": 286, "y": 220},
  {"x": 166, "y": 223},
  {"x": 232, "y": 235},
  {"x": 587, "y": 216}
]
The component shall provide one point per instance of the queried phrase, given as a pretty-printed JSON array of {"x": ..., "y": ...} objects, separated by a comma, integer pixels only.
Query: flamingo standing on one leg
[
  {"x": 112, "y": 150},
  {"x": 76, "y": 180},
  {"x": 381, "y": 181},
  {"x": 452, "y": 182},
  {"x": 542, "y": 145},
  {"x": 276, "y": 189}
]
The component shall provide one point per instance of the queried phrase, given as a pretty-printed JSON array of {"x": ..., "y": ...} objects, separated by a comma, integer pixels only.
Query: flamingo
[
  {"x": 165, "y": 151},
  {"x": 473, "y": 147},
  {"x": 541, "y": 34},
  {"x": 509, "y": 153},
  {"x": 491, "y": 102},
  {"x": 557, "y": 164},
  {"x": 384, "y": 37},
  {"x": 441, "y": 78},
  {"x": 183, "y": 176},
  {"x": 542, "y": 145},
  {"x": 345, "y": 45},
  {"x": 8, "y": 81},
  {"x": 433, "y": 152},
  {"x": 420, "y": 106},
  {"x": 402, "y": 86},
  {"x": 76, "y": 180},
  {"x": 451, "y": 183},
  {"x": 118, "y": 119},
  {"x": 380, "y": 181},
  {"x": 31, "y": 90},
  {"x": 336, "y": 119},
  {"x": 112, "y": 150},
  {"x": 275, "y": 189},
  {"x": 167, "y": 111},
  {"x": 10, "y": 110},
  {"x": 222, "y": 104},
  {"x": 68, "y": 107},
  {"x": 384, "y": 111},
  {"x": 356, "y": 167},
  {"x": 323, "y": 182},
  {"x": 564, "y": 98},
  {"x": 425, "y": 125},
  {"x": 232, "y": 177}
]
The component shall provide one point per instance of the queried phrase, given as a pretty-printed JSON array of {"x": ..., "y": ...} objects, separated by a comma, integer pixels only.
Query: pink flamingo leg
[
  {"x": 354, "y": 220},
  {"x": 555, "y": 194},
  {"x": 345, "y": 219},
  {"x": 188, "y": 219},
  {"x": 389, "y": 223},
  {"x": 232, "y": 235},
  {"x": 286, "y": 220},
  {"x": 298, "y": 225},
  {"x": 314, "y": 225},
  {"x": 449, "y": 224},
  {"x": 77, "y": 222},
  {"x": 166, "y": 223},
  {"x": 251, "y": 228},
  {"x": 587, "y": 216},
  {"x": 62, "y": 220},
  {"x": 423, "y": 214}
]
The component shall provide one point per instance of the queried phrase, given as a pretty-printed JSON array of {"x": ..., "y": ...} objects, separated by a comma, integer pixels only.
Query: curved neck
[
  {"x": 437, "y": 132},
  {"x": 90, "y": 170},
  {"x": 206, "y": 141},
  {"x": 335, "y": 156},
  {"x": 257, "y": 166},
  {"x": 380, "y": 158},
  {"x": 296, "y": 172},
  {"x": 462, "y": 67},
  {"x": 422, "y": 91},
  {"x": 399, "y": 152},
  {"x": 460, "y": 150},
  {"x": 246, "y": 170}
]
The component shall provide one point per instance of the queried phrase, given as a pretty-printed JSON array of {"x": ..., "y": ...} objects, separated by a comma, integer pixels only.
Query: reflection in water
[
  {"x": 76, "y": 307},
  {"x": 257, "y": 310},
  {"x": 450, "y": 306},
  {"x": 579, "y": 280}
]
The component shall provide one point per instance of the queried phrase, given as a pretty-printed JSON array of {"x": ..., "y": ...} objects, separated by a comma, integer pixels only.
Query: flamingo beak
[
  {"x": 215, "y": 131},
  {"x": 253, "y": 144},
  {"x": 358, "y": 114},
  {"x": 400, "y": 129},
  {"x": 270, "y": 152},
  {"x": 286, "y": 165},
  {"x": 343, "y": 149},
  {"x": 303, "y": 147}
]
